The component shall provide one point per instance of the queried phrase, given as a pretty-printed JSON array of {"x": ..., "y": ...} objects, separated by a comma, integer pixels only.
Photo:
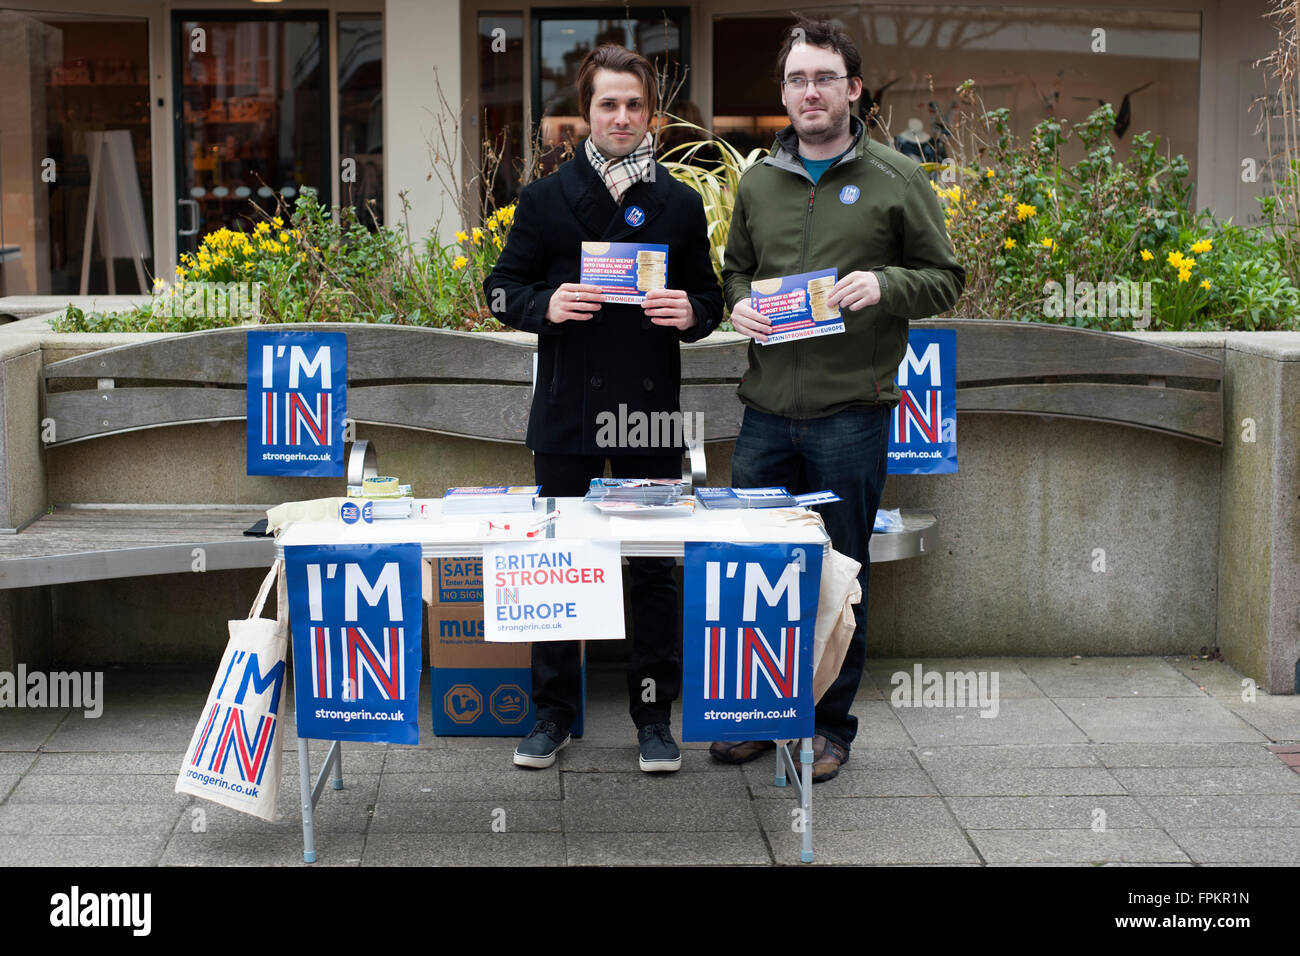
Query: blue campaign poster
[
  {"x": 923, "y": 426},
  {"x": 297, "y": 402},
  {"x": 357, "y": 615},
  {"x": 749, "y": 614}
]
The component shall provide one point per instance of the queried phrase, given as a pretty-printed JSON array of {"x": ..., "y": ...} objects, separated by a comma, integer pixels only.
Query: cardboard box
[{"x": 479, "y": 689}]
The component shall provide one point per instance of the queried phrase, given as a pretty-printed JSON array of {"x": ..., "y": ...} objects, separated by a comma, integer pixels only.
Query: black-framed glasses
[{"x": 797, "y": 84}]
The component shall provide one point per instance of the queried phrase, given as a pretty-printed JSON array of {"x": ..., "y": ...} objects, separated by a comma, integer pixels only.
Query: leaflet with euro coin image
[
  {"x": 552, "y": 590},
  {"x": 625, "y": 271},
  {"x": 796, "y": 305}
]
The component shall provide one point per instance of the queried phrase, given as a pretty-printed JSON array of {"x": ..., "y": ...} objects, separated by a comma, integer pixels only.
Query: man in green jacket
[{"x": 817, "y": 410}]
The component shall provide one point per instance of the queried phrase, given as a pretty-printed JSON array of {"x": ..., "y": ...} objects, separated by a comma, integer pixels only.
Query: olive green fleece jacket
[{"x": 892, "y": 225}]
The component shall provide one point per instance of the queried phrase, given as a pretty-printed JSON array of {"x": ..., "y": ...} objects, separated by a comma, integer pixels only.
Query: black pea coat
[{"x": 618, "y": 357}]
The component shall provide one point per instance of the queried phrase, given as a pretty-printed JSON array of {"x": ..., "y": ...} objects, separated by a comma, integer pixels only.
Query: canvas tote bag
[{"x": 236, "y": 753}]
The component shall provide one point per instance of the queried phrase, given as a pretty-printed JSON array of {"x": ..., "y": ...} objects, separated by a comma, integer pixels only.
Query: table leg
[
  {"x": 308, "y": 824},
  {"x": 806, "y": 852},
  {"x": 338, "y": 765}
]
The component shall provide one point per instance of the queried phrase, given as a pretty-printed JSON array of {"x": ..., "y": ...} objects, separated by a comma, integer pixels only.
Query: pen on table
[{"x": 536, "y": 526}]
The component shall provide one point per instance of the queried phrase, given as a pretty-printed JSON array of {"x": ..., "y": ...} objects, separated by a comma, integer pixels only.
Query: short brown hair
[
  {"x": 611, "y": 56},
  {"x": 823, "y": 33}
]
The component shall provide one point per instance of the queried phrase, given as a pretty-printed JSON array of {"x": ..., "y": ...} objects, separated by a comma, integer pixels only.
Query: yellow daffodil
[
  {"x": 1025, "y": 211},
  {"x": 284, "y": 236},
  {"x": 1049, "y": 243},
  {"x": 477, "y": 235},
  {"x": 1184, "y": 275},
  {"x": 462, "y": 237},
  {"x": 278, "y": 222},
  {"x": 1205, "y": 245},
  {"x": 988, "y": 173},
  {"x": 1175, "y": 259},
  {"x": 1008, "y": 243},
  {"x": 1007, "y": 197},
  {"x": 1187, "y": 262},
  {"x": 1205, "y": 283},
  {"x": 459, "y": 262},
  {"x": 1146, "y": 255}
]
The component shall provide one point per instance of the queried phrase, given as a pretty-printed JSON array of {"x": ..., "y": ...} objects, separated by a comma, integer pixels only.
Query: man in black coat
[{"x": 600, "y": 363}]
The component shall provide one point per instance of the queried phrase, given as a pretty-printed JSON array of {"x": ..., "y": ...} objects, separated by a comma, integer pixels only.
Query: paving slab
[
  {"x": 1184, "y": 755},
  {"x": 897, "y": 676},
  {"x": 80, "y": 850},
  {"x": 623, "y": 759},
  {"x": 1268, "y": 810},
  {"x": 1076, "y": 845},
  {"x": 448, "y": 785},
  {"x": 25, "y": 730},
  {"x": 49, "y": 789},
  {"x": 7, "y": 784},
  {"x": 1156, "y": 720},
  {"x": 1025, "y": 781},
  {"x": 878, "y": 725},
  {"x": 465, "y": 849},
  {"x": 861, "y": 813},
  {"x": 741, "y": 848},
  {"x": 467, "y": 816},
  {"x": 1276, "y": 717},
  {"x": 850, "y": 782},
  {"x": 977, "y": 757},
  {"x": 1214, "y": 677},
  {"x": 877, "y": 847},
  {"x": 679, "y": 815},
  {"x": 1049, "y": 813},
  {"x": 337, "y": 811},
  {"x": 333, "y": 848},
  {"x": 149, "y": 762},
  {"x": 1208, "y": 780},
  {"x": 655, "y": 786},
  {"x": 496, "y": 759},
  {"x": 1218, "y": 845},
  {"x": 125, "y": 729},
  {"x": 1027, "y": 721},
  {"x": 25, "y": 819},
  {"x": 12, "y": 764},
  {"x": 1108, "y": 677}
]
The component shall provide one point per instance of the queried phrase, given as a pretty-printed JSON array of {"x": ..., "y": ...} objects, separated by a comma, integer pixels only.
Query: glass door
[{"x": 251, "y": 117}]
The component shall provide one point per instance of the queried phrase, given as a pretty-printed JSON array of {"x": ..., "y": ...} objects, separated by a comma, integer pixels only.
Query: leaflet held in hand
[
  {"x": 796, "y": 305},
  {"x": 625, "y": 271}
]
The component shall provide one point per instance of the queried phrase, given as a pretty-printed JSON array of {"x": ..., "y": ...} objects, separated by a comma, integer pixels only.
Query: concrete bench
[{"x": 478, "y": 386}]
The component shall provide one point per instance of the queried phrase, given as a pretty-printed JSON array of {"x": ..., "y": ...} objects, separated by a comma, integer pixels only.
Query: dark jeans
[
  {"x": 846, "y": 453},
  {"x": 656, "y": 647}
]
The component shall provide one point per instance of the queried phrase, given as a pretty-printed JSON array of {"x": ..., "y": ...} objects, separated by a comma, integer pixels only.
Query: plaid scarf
[{"x": 619, "y": 174}]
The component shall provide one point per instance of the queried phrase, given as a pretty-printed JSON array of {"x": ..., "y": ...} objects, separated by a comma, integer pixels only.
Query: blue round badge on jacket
[
  {"x": 849, "y": 195},
  {"x": 634, "y": 216}
]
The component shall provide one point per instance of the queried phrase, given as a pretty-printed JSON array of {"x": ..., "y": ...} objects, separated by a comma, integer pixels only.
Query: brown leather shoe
[
  {"x": 739, "y": 751},
  {"x": 828, "y": 757}
]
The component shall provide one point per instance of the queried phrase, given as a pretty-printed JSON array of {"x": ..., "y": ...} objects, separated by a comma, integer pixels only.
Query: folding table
[{"x": 465, "y": 535}]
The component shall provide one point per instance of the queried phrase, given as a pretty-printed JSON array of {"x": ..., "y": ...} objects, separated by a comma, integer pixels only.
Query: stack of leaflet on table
[
  {"x": 491, "y": 499},
  {"x": 396, "y": 505},
  {"x": 730, "y": 499},
  {"x": 639, "y": 496}
]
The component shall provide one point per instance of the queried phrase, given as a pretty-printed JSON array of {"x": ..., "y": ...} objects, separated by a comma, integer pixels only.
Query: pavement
[{"x": 1096, "y": 761}]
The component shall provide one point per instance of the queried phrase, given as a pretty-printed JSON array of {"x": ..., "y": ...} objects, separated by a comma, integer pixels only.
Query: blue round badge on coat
[
  {"x": 634, "y": 216},
  {"x": 849, "y": 195}
]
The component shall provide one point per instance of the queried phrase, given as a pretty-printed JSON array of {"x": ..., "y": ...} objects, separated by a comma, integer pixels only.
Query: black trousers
[{"x": 656, "y": 647}]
